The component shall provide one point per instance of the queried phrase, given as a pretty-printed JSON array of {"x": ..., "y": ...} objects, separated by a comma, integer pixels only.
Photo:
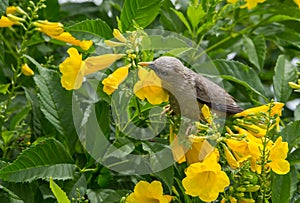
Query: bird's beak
[{"x": 148, "y": 64}]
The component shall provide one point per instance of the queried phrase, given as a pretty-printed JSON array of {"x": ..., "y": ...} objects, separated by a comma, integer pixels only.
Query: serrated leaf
[
  {"x": 59, "y": 194},
  {"x": 3, "y": 5},
  {"x": 235, "y": 72},
  {"x": 141, "y": 12},
  {"x": 88, "y": 28},
  {"x": 41, "y": 161},
  {"x": 284, "y": 72},
  {"x": 256, "y": 50},
  {"x": 290, "y": 133},
  {"x": 183, "y": 19},
  {"x": 55, "y": 102}
]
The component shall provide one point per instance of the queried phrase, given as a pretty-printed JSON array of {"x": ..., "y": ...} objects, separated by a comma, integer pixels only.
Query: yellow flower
[
  {"x": 26, "y": 70},
  {"x": 149, "y": 87},
  {"x": 117, "y": 34},
  {"x": 205, "y": 179},
  {"x": 294, "y": 85},
  {"x": 49, "y": 28},
  {"x": 6, "y": 22},
  {"x": 252, "y": 3},
  {"x": 68, "y": 38},
  {"x": 73, "y": 69},
  {"x": 145, "y": 192},
  {"x": 11, "y": 10},
  {"x": 278, "y": 154},
  {"x": 113, "y": 44},
  {"x": 254, "y": 120},
  {"x": 112, "y": 82},
  {"x": 297, "y": 2},
  {"x": 276, "y": 109},
  {"x": 206, "y": 113}
]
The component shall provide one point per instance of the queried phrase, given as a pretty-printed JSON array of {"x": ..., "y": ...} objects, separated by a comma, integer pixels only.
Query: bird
[{"x": 189, "y": 91}]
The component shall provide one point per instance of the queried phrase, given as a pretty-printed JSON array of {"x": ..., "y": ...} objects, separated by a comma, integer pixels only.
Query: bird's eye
[{"x": 164, "y": 73}]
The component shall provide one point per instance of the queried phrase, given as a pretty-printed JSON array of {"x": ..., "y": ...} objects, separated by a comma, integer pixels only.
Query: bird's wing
[{"x": 215, "y": 96}]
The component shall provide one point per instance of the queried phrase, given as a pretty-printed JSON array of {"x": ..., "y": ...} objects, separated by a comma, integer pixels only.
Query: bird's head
[{"x": 165, "y": 67}]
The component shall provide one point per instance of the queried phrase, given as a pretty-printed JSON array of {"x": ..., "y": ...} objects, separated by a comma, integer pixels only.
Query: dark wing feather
[{"x": 215, "y": 96}]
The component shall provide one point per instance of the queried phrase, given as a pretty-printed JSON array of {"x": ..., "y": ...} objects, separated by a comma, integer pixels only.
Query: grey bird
[{"x": 189, "y": 90}]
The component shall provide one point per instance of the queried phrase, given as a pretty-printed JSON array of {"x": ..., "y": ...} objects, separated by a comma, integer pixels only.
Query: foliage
[{"x": 83, "y": 120}]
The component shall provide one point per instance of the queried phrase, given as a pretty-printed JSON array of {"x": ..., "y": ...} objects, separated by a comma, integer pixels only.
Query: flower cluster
[
  {"x": 11, "y": 18},
  {"x": 74, "y": 68}
]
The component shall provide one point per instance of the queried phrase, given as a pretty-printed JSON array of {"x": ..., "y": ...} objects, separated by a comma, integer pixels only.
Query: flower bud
[{"x": 26, "y": 70}]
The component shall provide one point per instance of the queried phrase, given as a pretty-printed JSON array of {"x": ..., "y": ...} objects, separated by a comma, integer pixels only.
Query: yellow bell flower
[
  {"x": 205, "y": 179},
  {"x": 11, "y": 10},
  {"x": 149, "y": 87},
  {"x": 74, "y": 69},
  {"x": 26, "y": 70},
  {"x": 297, "y": 2},
  {"x": 68, "y": 38},
  {"x": 112, "y": 82},
  {"x": 148, "y": 192},
  {"x": 252, "y": 3},
  {"x": 49, "y": 28},
  {"x": 276, "y": 109},
  {"x": 206, "y": 113},
  {"x": 278, "y": 154},
  {"x": 6, "y": 22},
  {"x": 117, "y": 34}
]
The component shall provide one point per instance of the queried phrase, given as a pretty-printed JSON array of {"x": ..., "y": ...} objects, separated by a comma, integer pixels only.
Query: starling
[{"x": 189, "y": 90}]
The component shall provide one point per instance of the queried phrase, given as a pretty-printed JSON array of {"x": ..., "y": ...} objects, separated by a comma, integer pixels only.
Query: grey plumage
[{"x": 187, "y": 89}]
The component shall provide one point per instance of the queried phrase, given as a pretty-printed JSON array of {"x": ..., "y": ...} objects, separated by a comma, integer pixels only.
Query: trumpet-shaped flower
[
  {"x": 49, "y": 28},
  {"x": 149, "y": 87},
  {"x": 206, "y": 113},
  {"x": 11, "y": 10},
  {"x": 145, "y": 192},
  {"x": 117, "y": 34},
  {"x": 74, "y": 69},
  {"x": 6, "y": 22},
  {"x": 68, "y": 38},
  {"x": 112, "y": 82},
  {"x": 26, "y": 70},
  {"x": 255, "y": 120},
  {"x": 205, "y": 179},
  {"x": 278, "y": 154}
]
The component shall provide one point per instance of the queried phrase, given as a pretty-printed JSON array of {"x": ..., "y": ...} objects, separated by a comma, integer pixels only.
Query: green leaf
[
  {"x": 141, "y": 12},
  {"x": 256, "y": 50},
  {"x": 290, "y": 133},
  {"x": 167, "y": 176},
  {"x": 195, "y": 14},
  {"x": 3, "y": 5},
  {"x": 183, "y": 19},
  {"x": 284, "y": 72},
  {"x": 59, "y": 194},
  {"x": 55, "y": 102},
  {"x": 52, "y": 10},
  {"x": 294, "y": 157},
  {"x": 235, "y": 72},
  {"x": 106, "y": 195},
  {"x": 168, "y": 18},
  {"x": 297, "y": 113},
  {"x": 88, "y": 29},
  {"x": 281, "y": 186},
  {"x": 4, "y": 88},
  {"x": 41, "y": 161},
  {"x": 15, "y": 121}
]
